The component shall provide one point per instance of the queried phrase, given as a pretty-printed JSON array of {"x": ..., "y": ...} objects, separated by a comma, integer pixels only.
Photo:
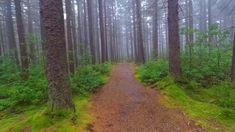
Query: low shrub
[
  {"x": 17, "y": 92},
  {"x": 87, "y": 78},
  {"x": 153, "y": 71}
]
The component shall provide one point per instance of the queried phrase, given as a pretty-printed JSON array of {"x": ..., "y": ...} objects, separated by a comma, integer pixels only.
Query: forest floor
[{"x": 124, "y": 104}]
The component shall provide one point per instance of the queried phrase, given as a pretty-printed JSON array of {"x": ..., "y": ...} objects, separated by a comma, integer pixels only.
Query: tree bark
[
  {"x": 233, "y": 61},
  {"x": 202, "y": 21},
  {"x": 74, "y": 33},
  {"x": 174, "y": 41},
  {"x": 155, "y": 30},
  {"x": 30, "y": 33},
  {"x": 86, "y": 32},
  {"x": 210, "y": 19},
  {"x": 102, "y": 35},
  {"x": 79, "y": 22},
  {"x": 10, "y": 32},
  {"x": 21, "y": 35},
  {"x": 91, "y": 31},
  {"x": 141, "y": 56},
  {"x": 69, "y": 36},
  {"x": 1, "y": 40},
  {"x": 191, "y": 36},
  {"x": 134, "y": 32},
  {"x": 55, "y": 48}
]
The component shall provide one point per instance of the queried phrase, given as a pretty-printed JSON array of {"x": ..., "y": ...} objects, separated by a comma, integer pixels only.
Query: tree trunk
[
  {"x": 85, "y": 27},
  {"x": 155, "y": 30},
  {"x": 30, "y": 33},
  {"x": 210, "y": 19},
  {"x": 202, "y": 22},
  {"x": 174, "y": 41},
  {"x": 69, "y": 36},
  {"x": 233, "y": 61},
  {"x": 1, "y": 40},
  {"x": 55, "y": 49},
  {"x": 141, "y": 56},
  {"x": 191, "y": 36},
  {"x": 102, "y": 35},
  {"x": 10, "y": 32},
  {"x": 79, "y": 22},
  {"x": 105, "y": 30},
  {"x": 23, "y": 46},
  {"x": 74, "y": 33},
  {"x": 91, "y": 31}
]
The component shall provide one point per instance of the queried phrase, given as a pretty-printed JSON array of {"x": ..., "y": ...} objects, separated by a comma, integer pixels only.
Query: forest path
[{"x": 125, "y": 105}]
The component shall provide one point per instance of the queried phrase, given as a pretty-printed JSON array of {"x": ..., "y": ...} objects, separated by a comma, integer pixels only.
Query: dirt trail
[{"x": 125, "y": 105}]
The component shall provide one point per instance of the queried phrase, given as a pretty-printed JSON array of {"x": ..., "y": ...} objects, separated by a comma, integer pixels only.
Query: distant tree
[
  {"x": 190, "y": 19},
  {"x": 1, "y": 41},
  {"x": 21, "y": 35},
  {"x": 134, "y": 30},
  {"x": 55, "y": 49},
  {"x": 69, "y": 35},
  {"x": 74, "y": 34},
  {"x": 210, "y": 18},
  {"x": 30, "y": 32},
  {"x": 203, "y": 14},
  {"x": 10, "y": 31},
  {"x": 174, "y": 41},
  {"x": 91, "y": 31},
  {"x": 233, "y": 61},
  {"x": 102, "y": 33},
  {"x": 141, "y": 55},
  {"x": 155, "y": 30},
  {"x": 86, "y": 32}
]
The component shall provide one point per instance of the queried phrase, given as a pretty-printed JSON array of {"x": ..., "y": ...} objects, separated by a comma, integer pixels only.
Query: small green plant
[
  {"x": 87, "y": 78},
  {"x": 153, "y": 71}
]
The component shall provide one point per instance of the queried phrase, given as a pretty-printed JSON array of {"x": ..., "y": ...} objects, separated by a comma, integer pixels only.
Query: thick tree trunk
[
  {"x": 55, "y": 49},
  {"x": 141, "y": 56},
  {"x": 91, "y": 31},
  {"x": 21, "y": 35},
  {"x": 174, "y": 42},
  {"x": 69, "y": 36}
]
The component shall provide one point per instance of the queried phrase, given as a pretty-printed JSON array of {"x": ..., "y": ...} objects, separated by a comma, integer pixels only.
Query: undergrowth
[
  {"x": 212, "y": 106},
  {"x": 23, "y": 104}
]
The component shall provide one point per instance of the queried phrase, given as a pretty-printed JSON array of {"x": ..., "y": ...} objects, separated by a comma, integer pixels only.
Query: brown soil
[{"x": 125, "y": 105}]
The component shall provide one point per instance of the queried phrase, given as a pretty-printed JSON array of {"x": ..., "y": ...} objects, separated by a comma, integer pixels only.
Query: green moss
[
  {"x": 37, "y": 118},
  {"x": 206, "y": 114},
  {"x": 202, "y": 92}
]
